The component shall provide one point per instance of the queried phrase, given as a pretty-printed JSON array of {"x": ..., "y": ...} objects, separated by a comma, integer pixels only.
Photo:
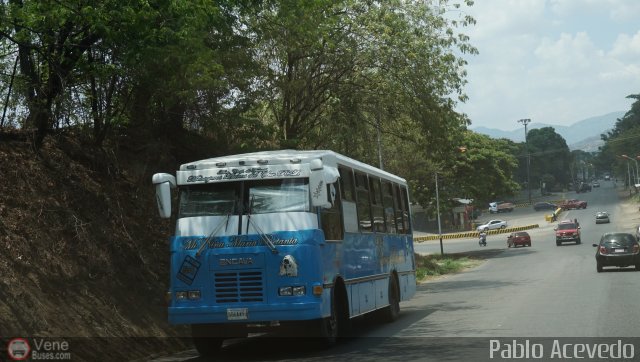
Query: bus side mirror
[
  {"x": 164, "y": 183},
  {"x": 318, "y": 185}
]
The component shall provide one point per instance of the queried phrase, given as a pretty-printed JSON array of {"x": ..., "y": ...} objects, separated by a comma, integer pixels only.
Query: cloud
[
  {"x": 626, "y": 47},
  {"x": 497, "y": 16},
  {"x": 616, "y": 10},
  {"x": 558, "y": 61},
  {"x": 569, "y": 54}
]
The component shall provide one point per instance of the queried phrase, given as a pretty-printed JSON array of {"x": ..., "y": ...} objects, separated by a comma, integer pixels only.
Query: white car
[
  {"x": 602, "y": 217},
  {"x": 493, "y": 224}
]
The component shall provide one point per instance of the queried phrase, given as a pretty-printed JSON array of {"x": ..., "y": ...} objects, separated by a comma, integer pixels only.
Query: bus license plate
[{"x": 235, "y": 314}]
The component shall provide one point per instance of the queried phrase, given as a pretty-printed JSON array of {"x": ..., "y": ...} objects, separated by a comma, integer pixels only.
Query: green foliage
[
  {"x": 550, "y": 156},
  {"x": 483, "y": 172},
  {"x": 622, "y": 140},
  {"x": 434, "y": 265},
  {"x": 249, "y": 75},
  {"x": 330, "y": 66}
]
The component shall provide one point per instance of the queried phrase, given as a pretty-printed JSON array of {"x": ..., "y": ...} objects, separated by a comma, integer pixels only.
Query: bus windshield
[
  {"x": 268, "y": 196},
  {"x": 255, "y": 197}
]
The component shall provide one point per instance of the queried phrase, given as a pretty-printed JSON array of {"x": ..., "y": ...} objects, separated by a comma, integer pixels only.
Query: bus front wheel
[{"x": 337, "y": 325}]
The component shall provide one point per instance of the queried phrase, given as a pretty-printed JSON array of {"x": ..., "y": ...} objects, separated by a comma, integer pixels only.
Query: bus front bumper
[{"x": 244, "y": 313}]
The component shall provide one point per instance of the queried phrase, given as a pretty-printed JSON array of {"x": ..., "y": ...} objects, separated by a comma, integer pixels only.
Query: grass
[{"x": 430, "y": 266}]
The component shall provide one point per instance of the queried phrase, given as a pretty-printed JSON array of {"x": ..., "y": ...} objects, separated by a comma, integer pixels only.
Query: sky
[{"x": 552, "y": 61}]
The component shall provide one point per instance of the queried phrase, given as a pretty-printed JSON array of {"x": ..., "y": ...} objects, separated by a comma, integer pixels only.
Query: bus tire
[
  {"x": 329, "y": 328},
  {"x": 392, "y": 311},
  {"x": 205, "y": 344},
  {"x": 337, "y": 324}
]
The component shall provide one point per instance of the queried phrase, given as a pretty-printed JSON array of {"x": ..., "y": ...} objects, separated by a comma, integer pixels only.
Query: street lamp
[
  {"x": 438, "y": 209},
  {"x": 526, "y": 121},
  {"x": 636, "y": 174},
  {"x": 628, "y": 170},
  {"x": 460, "y": 149}
]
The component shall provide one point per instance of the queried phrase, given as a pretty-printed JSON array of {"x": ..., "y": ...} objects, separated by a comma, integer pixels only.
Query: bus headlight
[
  {"x": 190, "y": 295},
  {"x": 289, "y": 291}
]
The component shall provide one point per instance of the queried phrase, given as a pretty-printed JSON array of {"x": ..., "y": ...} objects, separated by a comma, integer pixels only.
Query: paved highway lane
[
  {"x": 604, "y": 198},
  {"x": 542, "y": 291}
]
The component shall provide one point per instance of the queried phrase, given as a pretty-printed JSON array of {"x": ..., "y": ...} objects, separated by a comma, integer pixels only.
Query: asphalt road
[
  {"x": 604, "y": 198},
  {"x": 544, "y": 291}
]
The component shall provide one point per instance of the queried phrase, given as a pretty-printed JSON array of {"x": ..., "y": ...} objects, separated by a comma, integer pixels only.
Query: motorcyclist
[{"x": 483, "y": 238}]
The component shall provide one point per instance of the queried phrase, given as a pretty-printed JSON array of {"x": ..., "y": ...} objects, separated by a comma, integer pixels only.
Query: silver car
[
  {"x": 602, "y": 217},
  {"x": 492, "y": 224}
]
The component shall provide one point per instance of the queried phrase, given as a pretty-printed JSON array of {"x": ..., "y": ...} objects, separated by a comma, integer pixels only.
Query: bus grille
[{"x": 238, "y": 287}]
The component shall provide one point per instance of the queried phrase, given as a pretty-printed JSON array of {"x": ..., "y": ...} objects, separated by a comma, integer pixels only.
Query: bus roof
[{"x": 285, "y": 157}]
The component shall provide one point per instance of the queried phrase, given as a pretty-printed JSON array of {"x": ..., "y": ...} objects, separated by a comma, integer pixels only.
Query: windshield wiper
[
  {"x": 264, "y": 237},
  {"x": 224, "y": 221}
]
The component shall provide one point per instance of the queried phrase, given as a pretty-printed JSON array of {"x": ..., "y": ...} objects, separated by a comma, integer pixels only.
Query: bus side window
[
  {"x": 362, "y": 204},
  {"x": 397, "y": 201},
  {"x": 346, "y": 184},
  {"x": 376, "y": 204},
  {"x": 332, "y": 217},
  {"x": 387, "y": 203},
  {"x": 405, "y": 210}
]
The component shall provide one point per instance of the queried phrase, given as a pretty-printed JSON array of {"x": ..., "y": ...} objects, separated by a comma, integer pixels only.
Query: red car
[
  {"x": 573, "y": 204},
  {"x": 567, "y": 231},
  {"x": 518, "y": 238}
]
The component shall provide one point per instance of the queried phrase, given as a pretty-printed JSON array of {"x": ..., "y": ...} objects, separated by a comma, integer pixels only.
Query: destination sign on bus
[{"x": 231, "y": 174}]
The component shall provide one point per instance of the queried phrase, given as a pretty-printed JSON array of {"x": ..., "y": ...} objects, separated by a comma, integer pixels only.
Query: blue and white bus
[{"x": 285, "y": 240}]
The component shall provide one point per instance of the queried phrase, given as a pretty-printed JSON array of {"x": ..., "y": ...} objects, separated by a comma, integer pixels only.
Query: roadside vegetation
[
  {"x": 98, "y": 96},
  {"x": 430, "y": 266}
]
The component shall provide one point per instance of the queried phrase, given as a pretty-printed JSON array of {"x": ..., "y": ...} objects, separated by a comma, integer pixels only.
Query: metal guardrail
[{"x": 469, "y": 234}]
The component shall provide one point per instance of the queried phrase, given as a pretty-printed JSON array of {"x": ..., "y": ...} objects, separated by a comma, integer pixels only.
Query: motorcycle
[{"x": 482, "y": 239}]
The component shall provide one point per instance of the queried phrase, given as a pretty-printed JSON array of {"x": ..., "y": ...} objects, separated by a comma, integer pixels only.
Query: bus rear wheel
[{"x": 392, "y": 311}]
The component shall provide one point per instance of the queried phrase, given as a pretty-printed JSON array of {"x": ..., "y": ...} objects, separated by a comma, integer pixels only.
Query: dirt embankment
[{"x": 82, "y": 250}]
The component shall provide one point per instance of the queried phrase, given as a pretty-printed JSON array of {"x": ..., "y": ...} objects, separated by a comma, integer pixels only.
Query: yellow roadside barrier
[
  {"x": 469, "y": 234},
  {"x": 553, "y": 217}
]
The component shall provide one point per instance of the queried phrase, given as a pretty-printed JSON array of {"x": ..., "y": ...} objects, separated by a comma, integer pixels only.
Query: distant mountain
[
  {"x": 591, "y": 144},
  {"x": 582, "y": 135}
]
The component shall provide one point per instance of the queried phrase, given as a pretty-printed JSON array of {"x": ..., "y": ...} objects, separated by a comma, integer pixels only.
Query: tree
[
  {"x": 483, "y": 172},
  {"x": 550, "y": 155},
  {"x": 51, "y": 40},
  {"x": 622, "y": 140},
  {"x": 158, "y": 65},
  {"x": 384, "y": 65}
]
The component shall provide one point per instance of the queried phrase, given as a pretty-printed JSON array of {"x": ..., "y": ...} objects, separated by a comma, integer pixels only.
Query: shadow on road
[
  {"x": 489, "y": 253},
  {"x": 366, "y": 341},
  {"x": 448, "y": 286},
  {"x": 372, "y": 349},
  {"x": 618, "y": 270}
]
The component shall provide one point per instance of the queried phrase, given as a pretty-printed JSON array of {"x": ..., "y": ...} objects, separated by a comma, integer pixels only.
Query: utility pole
[
  {"x": 379, "y": 141},
  {"x": 438, "y": 209},
  {"x": 526, "y": 121}
]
